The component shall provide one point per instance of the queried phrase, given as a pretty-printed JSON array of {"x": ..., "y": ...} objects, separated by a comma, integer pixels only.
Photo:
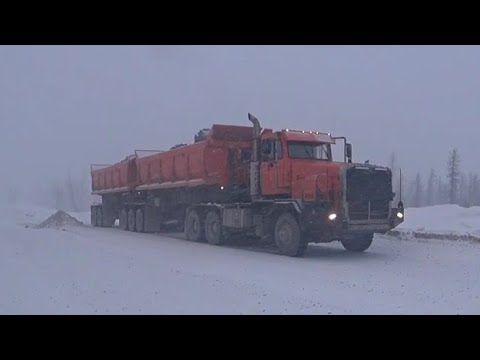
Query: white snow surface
[
  {"x": 443, "y": 219},
  {"x": 85, "y": 270}
]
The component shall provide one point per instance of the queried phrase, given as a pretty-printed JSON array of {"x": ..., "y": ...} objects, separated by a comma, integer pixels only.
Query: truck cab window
[
  {"x": 305, "y": 150},
  {"x": 268, "y": 150},
  {"x": 271, "y": 150}
]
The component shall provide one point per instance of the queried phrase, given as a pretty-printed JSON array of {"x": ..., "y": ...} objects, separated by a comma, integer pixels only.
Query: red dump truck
[{"x": 279, "y": 187}]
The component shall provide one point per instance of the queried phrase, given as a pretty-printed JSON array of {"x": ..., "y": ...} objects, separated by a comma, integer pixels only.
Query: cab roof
[{"x": 308, "y": 136}]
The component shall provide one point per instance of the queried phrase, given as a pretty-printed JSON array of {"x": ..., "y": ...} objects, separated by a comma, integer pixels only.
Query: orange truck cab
[{"x": 335, "y": 198}]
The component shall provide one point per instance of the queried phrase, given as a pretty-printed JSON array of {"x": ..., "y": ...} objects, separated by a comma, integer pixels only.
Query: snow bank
[{"x": 443, "y": 219}]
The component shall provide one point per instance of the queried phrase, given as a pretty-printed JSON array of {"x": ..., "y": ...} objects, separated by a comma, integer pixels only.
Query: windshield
[{"x": 305, "y": 150}]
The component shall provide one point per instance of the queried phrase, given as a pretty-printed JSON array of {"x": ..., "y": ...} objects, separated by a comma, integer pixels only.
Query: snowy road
[{"x": 106, "y": 271}]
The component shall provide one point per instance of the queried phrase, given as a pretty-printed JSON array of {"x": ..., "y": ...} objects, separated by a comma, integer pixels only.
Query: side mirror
[{"x": 348, "y": 152}]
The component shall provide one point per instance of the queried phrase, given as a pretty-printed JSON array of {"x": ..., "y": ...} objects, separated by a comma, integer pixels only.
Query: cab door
[{"x": 271, "y": 165}]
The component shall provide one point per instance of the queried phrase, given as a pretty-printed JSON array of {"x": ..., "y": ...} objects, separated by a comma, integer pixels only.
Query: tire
[
  {"x": 123, "y": 220},
  {"x": 288, "y": 236},
  {"x": 194, "y": 227},
  {"x": 131, "y": 220},
  {"x": 213, "y": 228},
  {"x": 139, "y": 221},
  {"x": 93, "y": 216},
  {"x": 358, "y": 244},
  {"x": 99, "y": 217}
]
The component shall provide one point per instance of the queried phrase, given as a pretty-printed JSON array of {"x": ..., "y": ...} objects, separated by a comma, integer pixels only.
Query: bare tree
[
  {"x": 463, "y": 191},
  {"x": 84, "y": 192},
  {"x": 58, "y": 196},
  {"x": 71, "y": 193},
  {"x": 441, "y": 193},
  {"x": 453, "y": 175},
  {"x": 473, "y": 190},
  {"x": 78, "y": 191},
  {"x": 418, "y": 199},
  {"x": 409, "y": 186},
  {"x": 430, "y": 188}
]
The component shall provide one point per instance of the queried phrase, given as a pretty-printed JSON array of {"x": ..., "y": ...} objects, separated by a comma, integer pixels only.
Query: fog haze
[{"x": 65, "y": 107}]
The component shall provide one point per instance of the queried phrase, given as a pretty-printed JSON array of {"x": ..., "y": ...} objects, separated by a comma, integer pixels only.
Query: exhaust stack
[{"x": 255, "y": 162}]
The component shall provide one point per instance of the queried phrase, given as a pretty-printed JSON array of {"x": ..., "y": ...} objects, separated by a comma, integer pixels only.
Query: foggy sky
[{"x": 65, "y": 107}]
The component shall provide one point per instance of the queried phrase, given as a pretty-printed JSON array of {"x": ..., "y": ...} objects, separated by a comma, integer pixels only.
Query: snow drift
[
  {"x": 59, "y": 220},
  {"x": 443, "y": 221}
]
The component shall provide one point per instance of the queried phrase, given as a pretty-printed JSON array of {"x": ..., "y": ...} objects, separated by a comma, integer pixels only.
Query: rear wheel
[
  {"x": 99, "y": 217},
  {"x": 131, "y": 220},
  {"x": 288, "y": 236},
  {"x": 139, "y": 221},
  {"x": 93, "y": 216},
  {"x": 194, "y": 226},
  {"x": 123, "y": 220},
  {"x": 358, "y": 243},
  {"x": 213, "y": 228}
]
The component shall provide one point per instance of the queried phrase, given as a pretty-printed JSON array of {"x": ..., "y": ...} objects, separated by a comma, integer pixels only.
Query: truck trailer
[{"x": 275, "y": 187}]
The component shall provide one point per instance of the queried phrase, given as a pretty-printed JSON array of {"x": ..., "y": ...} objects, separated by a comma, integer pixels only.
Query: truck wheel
[
  {"x": 99, "y": 217},
  {"x": 288, "y": 236},
  {"x": 213, "y": 228},
  {"x": 358, "y": 243},
  {"x": 123, "y": 221},
  {"x": 93, "y": 216},
  {"x": 131, "y": 220},
  {"x": 194, "y": 227},
  {"x": 139, "y": 224}
]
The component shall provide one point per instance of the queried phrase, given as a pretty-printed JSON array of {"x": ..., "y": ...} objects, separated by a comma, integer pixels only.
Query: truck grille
[
  {"x": 369, "y": 193},
  {"x": 368, "y": 210}
]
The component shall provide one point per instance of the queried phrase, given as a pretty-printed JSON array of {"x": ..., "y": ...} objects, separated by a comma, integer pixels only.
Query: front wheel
[
  {"x": 288, "y": 236},
  {"x": 358, "y": 243}
]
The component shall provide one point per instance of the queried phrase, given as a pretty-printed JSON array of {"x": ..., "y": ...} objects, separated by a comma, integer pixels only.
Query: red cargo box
[
  {"x": 215, "y": 161},
  {"x": 114, "y": 178}
]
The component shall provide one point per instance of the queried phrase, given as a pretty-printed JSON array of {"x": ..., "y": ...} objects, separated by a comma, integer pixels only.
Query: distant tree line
[
  {"x": 71, "y": 194},
  {"x": 451, "y": 186}
]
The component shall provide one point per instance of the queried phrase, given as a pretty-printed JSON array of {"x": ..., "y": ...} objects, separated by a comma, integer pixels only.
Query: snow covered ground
[
  {"x": 443, "y": 219},
  {"x": 84, "y": 270}
]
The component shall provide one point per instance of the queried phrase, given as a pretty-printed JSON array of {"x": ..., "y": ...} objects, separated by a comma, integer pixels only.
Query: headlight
[
  {"x": 400, "y": 215},
  {"x": 332, "y": 217}
]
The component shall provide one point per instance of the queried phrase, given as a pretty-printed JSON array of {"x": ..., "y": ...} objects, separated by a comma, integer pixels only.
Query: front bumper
[
  {"x": 376, "y": 226},
  {"x": 315, "y": 221}
]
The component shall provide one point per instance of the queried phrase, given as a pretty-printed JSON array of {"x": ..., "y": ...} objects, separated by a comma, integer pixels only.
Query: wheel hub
[{"x": 284, "y": 235}]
